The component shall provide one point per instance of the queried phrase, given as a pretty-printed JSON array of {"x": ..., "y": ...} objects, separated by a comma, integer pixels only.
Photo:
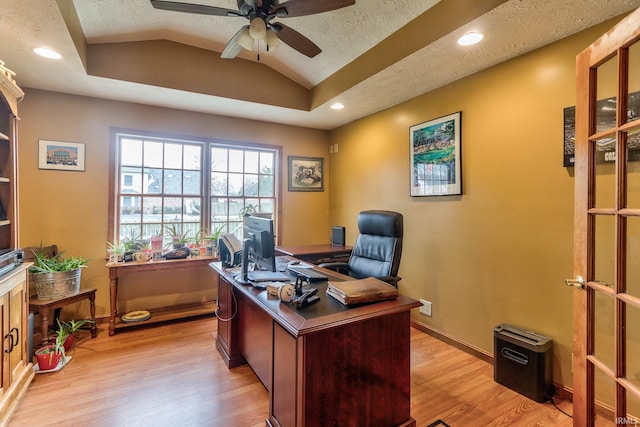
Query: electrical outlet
[{"x": 426, "y": 307}]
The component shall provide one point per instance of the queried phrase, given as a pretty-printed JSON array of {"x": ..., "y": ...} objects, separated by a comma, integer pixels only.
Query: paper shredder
[{"x": 523, "y": 361}]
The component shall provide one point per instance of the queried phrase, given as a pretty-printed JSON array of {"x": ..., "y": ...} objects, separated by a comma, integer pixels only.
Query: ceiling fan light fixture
[
  {"x": 245, "y": 40},
  {"x": 272, "y": 39},
  {"x": 258, "y": 29}
]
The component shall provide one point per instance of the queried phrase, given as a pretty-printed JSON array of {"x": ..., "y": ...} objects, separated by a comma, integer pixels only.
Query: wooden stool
[{"x": 43, "y": 306}]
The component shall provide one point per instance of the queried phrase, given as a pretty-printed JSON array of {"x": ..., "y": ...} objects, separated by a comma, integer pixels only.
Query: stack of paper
[{"x": 361, "y": 291}]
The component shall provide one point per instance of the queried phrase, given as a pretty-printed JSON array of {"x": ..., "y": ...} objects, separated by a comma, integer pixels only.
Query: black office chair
[{"x": 378, "y": 249}]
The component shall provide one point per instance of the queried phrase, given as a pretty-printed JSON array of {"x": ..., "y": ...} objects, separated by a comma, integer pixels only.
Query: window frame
[{"x": 206, "y": 143}]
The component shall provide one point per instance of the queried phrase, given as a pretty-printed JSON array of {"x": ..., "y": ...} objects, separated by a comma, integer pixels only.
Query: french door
[{"x": 606, "y": 351}]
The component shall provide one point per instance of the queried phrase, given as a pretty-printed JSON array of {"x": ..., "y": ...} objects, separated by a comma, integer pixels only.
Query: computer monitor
[{"x": 258, "y": 233}]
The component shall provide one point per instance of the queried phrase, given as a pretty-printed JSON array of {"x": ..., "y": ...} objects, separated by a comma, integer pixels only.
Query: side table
[{"x": 43, "y": 306}]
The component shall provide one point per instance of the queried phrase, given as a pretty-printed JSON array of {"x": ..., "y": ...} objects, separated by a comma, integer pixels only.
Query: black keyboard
[{"x": 308, "y": 273}]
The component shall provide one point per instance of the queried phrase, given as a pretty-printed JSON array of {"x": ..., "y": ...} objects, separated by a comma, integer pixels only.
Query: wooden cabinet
[
  {"x": 10, "y": 93},
  {"x": 16, "y": 368}
]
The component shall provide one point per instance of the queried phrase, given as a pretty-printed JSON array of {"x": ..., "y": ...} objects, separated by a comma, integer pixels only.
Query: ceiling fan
[{"x": 260, "y": 14}]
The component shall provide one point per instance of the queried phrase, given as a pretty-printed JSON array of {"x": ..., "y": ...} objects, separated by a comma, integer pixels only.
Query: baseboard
[
  {"x": 559, "y": 390},
  {"x": 454, "y": 342}
]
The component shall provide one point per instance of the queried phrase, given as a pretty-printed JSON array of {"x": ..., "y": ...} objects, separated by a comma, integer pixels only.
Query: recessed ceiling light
[
  {"x": 337, "y": 106},
  {"x": 470, "y": 38},
  {"x": 47, "y": 53}
]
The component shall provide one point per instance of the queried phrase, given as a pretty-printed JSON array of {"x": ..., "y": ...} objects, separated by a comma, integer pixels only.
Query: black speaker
[{"x": 337, "y": 236}]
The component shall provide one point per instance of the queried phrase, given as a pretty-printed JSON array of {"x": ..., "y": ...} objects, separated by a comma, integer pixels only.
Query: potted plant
[
  {"x": 178, "y": 239},
  {"x": 211, "y": 240},
  {"x": 115, "y": 252},
  {"x": 68, "y": 328},
  {"x": 56, "y": 276},
  {"x": 50, "y": 355}
]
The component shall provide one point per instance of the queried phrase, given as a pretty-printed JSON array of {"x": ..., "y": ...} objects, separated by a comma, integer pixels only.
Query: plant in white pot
[{"x": 56, "y": 276}]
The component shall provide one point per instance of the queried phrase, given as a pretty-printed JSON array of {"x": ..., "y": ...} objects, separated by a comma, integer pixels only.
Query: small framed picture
[
  {"x": 306, "y": 173},
  {"x": 436, "y": 168},
  {"x": 59, "y": 155}
]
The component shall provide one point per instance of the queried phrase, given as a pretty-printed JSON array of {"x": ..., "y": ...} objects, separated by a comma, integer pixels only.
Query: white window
[{"x": 191, "y": 185}]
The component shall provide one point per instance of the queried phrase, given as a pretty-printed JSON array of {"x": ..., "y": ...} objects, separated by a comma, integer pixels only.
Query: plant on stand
[
  {"x": 56, "y": 276},
  {"x": 178, "y": 239}
]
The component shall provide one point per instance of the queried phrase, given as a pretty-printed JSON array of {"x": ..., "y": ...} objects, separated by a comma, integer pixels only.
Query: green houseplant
[
  {"x": 50, "y": 355},
  {"x": 68, "y": 328},
  {"x": 57, "y": 275}
]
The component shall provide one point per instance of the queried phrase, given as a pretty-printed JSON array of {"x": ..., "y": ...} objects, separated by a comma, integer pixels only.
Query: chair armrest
[{"x": 340, "y": 267}]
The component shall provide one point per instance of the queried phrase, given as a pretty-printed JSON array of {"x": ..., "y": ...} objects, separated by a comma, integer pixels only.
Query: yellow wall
[
  {"x": 500, "y": 252},
  {"x": 70, "y": 208}
]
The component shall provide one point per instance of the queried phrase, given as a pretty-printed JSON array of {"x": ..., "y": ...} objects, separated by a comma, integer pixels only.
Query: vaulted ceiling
[{"x": 375, "y": 54}]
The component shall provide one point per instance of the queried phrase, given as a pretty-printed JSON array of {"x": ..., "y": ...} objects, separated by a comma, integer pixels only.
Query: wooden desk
[
  {"x": 118, "y": 269},
  {"x": 327, "y": 364},
  {"x": 317, "y": 254},
  {"x": 43, "y": 306}
]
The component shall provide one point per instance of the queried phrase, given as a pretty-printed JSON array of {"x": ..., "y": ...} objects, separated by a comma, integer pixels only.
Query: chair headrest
[{"x": 381, "y": 223}]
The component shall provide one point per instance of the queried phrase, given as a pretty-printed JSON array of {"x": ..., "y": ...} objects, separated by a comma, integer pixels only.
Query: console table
[
  {"x": 327, "y": 364},
  {"x": 117, "y": 269},
  {"x": 317, "y": 254}
]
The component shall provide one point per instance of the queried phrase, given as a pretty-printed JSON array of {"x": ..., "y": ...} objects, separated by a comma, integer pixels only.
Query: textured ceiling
[{"x": 353, "y": 41}]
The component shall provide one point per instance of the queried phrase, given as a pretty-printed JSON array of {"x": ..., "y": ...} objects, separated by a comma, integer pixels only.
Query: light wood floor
[{"x": 172, "y": 375}]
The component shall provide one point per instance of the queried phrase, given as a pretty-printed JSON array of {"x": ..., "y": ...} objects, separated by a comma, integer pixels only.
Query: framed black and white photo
[
  {"x": 59, "y": 155},
  {"x": 306, "y": 173},
  {"x": 436, "y": 168}
]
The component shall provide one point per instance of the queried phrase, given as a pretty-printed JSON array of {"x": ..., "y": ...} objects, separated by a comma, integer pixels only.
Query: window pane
[
  {"x": 172, "y": 209},
  {"x": 219, "y": 209},
  {"x": 219, "y": 159},
  {"x": 173, "y": 156},
  {"x": 235, "y": 184},
  {"x": 191, "y": 182},
  {"x": 192, "y": 209},
  {"x": 266, "y": 162},
  {"x": 152, "y": 181},
  {"x": 173, "y": 182},
  {"x": 236, "y": 158},
  {"x": 266, "y": 185},
  {"x": 251, "y": 162},
  {"x": 131, "y": 152},
  {"x": 251, "y": 185},
  {"x": 218, "y": 184},
  {"x": 192, "y": 155},
  {"x": 131, "y": 181},
  {"x": 152, "y": 210},
  {"x": 153, "y": 154}
]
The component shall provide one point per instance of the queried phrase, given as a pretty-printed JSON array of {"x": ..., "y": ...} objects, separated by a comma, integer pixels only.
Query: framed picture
[
  {"x": 436, "y": 156},
  {"x": 58, "y": 155},
  {"x": 306, "y": 173},
  {"x": 606, "y": 119}
]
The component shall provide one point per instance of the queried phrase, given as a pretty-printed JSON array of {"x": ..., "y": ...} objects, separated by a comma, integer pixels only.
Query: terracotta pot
[{"x": 47, "y": 360}]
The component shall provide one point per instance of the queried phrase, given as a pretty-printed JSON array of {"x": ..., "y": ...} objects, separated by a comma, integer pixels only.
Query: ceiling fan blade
[
  {"x": 193, "y": 8},
  {"x": 232, "y": 49},
  {"x": 310, "y": 7},
  {"x": 296, "y": 40}
]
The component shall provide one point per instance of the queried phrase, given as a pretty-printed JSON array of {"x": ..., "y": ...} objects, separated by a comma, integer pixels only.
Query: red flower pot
[
  {"x": 68, "y": 342},
  {"x": 47, "y": 359}
]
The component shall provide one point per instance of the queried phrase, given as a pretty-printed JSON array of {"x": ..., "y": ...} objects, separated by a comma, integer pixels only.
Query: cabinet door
[
  {"x": 4, "y": 329},
  {"x": 18, "y": 328}
]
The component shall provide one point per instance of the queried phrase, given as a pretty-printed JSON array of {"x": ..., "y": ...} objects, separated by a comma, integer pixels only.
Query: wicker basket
[{"x": 54, "y": 285}]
